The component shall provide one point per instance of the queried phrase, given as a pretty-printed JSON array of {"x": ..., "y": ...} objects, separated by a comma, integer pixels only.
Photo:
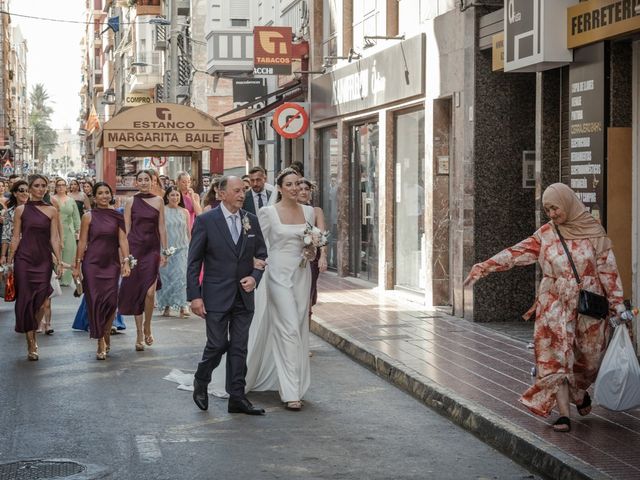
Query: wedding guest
[
  {"x": 319, "y": 263},
  {"x": 70, "y": 218},
  {"x": 206, "y": 184},
  {"x": 147, "y": 236},
  {"x": 247, "y": 183},
  {"x": 19, "y": 196},
  {"x": 102, "y": 243},
  {"x": 156, "y": 186},
  {"x": 259, "y": 195},
  {"x": 87, "y": 189},
  {"x": 190, "y": 198},
  {"x": 212, "y": 199},
  {"x": 174, "y": 273},
  {"x": 35, "y": 238},
  {"x": 80, "y": 198},
  {"x": 568, "y": 346},
  {"x": 288, "y": 284}
]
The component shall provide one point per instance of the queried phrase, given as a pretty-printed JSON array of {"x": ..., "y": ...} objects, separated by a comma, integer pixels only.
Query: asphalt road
[{"x": 122, "y": 415}]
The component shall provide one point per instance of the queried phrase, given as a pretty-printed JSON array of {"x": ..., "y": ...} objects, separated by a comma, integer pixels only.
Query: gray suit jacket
[
  {"x": 225, "y": 263},
  {"x": 249, "y": 206}
]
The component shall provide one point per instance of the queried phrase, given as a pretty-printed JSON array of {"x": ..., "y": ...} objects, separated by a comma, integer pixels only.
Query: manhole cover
[{"x": 37, "y": 469}]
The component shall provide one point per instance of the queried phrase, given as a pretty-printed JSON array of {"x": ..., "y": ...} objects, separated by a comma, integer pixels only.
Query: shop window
[{"x": 329, "y": 184}]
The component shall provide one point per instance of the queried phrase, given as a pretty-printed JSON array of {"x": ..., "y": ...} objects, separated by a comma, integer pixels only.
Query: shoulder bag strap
[{"x": 566, "y": 250}]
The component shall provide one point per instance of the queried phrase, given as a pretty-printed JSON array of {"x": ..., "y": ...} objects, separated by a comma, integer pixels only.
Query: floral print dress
[{"x": 568, "y": 346}]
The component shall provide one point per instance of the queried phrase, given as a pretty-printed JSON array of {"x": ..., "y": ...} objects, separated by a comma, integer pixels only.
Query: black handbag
[{"x": 589, "y": 303}]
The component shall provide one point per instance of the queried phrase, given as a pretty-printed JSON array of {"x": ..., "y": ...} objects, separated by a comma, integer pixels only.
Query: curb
[{"x": 517, "y": 443}]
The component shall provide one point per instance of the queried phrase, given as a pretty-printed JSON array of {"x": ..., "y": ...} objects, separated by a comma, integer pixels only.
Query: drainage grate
[{"x": 38, "y": 469}]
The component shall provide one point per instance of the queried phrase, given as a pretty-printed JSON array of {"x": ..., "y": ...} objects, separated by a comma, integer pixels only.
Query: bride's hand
[{"x": 259, "y": 264}]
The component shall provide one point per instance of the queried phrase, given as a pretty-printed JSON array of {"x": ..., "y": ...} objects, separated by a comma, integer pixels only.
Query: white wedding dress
[{"x": 278, "y": 347}]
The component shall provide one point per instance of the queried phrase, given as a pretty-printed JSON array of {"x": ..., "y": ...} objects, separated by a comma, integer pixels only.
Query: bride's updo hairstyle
[{"x": 281, "y": 176}]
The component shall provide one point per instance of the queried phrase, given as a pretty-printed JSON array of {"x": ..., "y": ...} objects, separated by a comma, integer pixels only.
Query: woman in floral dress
[{"x": 568, "y": 346}]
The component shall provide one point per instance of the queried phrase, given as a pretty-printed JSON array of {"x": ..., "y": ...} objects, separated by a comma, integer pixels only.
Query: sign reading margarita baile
[
  {"x": 272, "y": 50},
  {"x": 163, "y": 127}
]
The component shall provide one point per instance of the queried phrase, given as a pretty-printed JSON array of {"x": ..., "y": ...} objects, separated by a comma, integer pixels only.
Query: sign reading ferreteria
[
  {"x": 587, "y": 127},
  {"x": 163, "y": 127},
  {"x": 390, "y": 75},
  {"x": 595, "y": 20},
  {"x": 272, "y": 50}
]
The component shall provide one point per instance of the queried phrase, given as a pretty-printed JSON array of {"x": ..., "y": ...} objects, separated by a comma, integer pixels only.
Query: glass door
[
  {"x": 364, "y": 201},
  {"x": 329, "y": 158}
]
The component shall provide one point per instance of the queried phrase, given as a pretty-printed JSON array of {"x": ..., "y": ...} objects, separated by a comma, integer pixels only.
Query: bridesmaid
[
  {"x": 146, "y": 233},
  {"x": 82, "y": 201},
  {"x": 174, "y": 275},
  {"x": 70, "y": 218},
  {"x": 35, "y": 238},
  {"x": 102, "y": 241}
]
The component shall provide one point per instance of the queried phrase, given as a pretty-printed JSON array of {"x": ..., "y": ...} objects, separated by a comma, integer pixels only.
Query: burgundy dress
[
  {"x": 33, "y": 264},
  {"x": 101, "y": 268},
  {"x": 144, "y": 245}
]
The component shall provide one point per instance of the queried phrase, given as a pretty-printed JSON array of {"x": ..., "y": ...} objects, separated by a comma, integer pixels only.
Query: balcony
[
  {"x": 148, "y": 7},
  {"x": 143, "y": 78},
  {"x": 230, "y": 51}
]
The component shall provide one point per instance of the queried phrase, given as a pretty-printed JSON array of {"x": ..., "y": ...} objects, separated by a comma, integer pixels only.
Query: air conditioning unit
[{"x": 183, "y": 8}]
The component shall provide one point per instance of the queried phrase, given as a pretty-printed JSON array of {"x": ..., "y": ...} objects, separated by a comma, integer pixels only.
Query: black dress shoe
[
  {"x": 200, "y": 395},
  {"x": 242, "y": 405}
]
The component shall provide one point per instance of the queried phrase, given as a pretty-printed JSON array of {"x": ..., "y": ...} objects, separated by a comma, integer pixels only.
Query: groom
[{"x": 226, "y": 240}]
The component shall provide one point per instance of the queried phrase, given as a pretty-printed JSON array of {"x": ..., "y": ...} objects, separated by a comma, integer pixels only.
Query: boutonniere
[{"x": 246, "y": 224}]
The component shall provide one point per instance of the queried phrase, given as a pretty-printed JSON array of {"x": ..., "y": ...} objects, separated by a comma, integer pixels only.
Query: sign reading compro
[
  {"x": 595, "y": 20},
  {"x": 163, "y": 127}
]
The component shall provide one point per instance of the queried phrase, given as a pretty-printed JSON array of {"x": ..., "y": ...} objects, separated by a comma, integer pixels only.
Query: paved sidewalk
[{"x": 473, "y": 375}]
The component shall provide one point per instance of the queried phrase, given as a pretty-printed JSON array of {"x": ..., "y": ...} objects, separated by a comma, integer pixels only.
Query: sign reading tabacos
[
  {"x": 272, "y": 50},
  {"x": 160, "y": 127}
]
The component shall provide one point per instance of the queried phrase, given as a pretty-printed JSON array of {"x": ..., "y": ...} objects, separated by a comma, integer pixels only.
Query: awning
[
  {"x": 163, "y": 127},
  {"x": 284, "y": 94}
]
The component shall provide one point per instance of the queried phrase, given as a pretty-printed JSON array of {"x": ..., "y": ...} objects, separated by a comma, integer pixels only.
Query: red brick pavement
[{"x": 477, "y": 363}]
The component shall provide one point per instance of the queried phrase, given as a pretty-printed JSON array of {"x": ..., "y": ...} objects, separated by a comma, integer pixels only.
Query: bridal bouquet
[{"x": 313, "y": 239}]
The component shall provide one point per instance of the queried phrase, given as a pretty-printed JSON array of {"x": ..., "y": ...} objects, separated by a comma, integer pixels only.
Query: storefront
[
  {"x": 369, "y": 153},
  {"x": 158, "y": 136}
]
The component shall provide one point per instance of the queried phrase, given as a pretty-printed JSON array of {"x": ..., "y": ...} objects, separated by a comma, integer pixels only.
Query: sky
[{"x": 54, "y": 53}]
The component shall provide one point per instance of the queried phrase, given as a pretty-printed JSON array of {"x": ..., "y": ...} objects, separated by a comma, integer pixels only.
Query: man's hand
[
  {"x": 197, "y": 307},
  {"x": 259, "y": 264},
  {"x": 248, "y": 284}
]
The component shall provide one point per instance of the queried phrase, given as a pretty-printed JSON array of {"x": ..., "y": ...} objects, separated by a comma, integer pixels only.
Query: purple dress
[
  {"x": 33, "y": 264},
  {"x": 144, "y": 245},
  {"x": 101, "y": 268}
]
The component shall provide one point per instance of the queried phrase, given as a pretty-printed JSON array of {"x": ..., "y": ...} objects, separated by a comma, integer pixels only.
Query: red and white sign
[{"x": 290, "y": 120}]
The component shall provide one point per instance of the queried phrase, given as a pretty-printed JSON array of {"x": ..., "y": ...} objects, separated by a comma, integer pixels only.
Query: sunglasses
[{"x": 22, "y": 190}]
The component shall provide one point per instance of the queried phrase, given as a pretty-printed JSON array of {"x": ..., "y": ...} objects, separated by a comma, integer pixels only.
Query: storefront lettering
[
  {"x": 604, "y": 16},
  {"x": 350, "y": 88},
  {"x": 142, "y": 137},
  {"x": 144, "y": 124},
  {"x": 202, "y": 137}
]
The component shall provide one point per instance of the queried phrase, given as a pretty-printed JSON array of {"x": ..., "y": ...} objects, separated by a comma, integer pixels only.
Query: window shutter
[{"x": 239, "y": 9}]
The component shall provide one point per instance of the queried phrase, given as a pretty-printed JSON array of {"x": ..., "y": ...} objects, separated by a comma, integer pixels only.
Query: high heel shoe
[
  {"x": 139, "y": 347},
  {"x": 107, "y": 342},
  {"x": 148, "y": 339},
  {"x": 102, "y": 350},
  {"x": 184, "y": 312},
  {"x": 32, "y": 346}
]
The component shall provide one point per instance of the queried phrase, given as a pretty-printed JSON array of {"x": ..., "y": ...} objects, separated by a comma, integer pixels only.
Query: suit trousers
[{"x": 227, "y": 332}]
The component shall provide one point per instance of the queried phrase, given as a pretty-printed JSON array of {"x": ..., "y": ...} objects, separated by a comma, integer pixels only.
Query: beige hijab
[{"x": 580, "y": 223}]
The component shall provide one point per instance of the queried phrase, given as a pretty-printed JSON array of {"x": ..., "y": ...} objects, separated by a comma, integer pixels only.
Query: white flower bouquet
[
  {"x": 313, "y": 239},
  {"x": 167, "y": 252}
]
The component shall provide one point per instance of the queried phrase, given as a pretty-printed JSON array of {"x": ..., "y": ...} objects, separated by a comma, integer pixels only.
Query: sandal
[
  {"x": 585, "y": 407},
  {"x": 148, "y": 339},
  {"x": 295, "y": 405},
  {"x": 562, "y": 425}
]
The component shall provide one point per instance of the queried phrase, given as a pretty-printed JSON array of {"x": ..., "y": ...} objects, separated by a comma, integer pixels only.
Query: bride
[{"x": 278, "y": 348}]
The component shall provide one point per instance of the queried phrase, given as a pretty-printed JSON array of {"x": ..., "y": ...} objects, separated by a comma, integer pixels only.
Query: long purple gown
[
  {"x": 144, "y": 245},
  {"x": 101, "y": 268},
  {"x": 33, "y": 264}
]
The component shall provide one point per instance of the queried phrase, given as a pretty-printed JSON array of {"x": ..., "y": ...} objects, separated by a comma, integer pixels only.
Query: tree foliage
[{"x": 45, "y": 138}]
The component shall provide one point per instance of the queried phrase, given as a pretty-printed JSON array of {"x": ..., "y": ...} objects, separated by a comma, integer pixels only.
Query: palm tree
[{"x": 45, "y": 138}]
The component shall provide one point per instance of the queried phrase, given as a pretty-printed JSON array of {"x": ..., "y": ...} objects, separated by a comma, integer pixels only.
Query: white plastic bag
[
  {"x": 618, "y": 384},
  {"x": 55, "y": 284}
]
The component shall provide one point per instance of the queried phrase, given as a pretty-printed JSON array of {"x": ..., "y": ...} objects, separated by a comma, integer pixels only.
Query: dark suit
[
  {"x": 229, "y": 307},
  {"x": 249, "y": 206}
]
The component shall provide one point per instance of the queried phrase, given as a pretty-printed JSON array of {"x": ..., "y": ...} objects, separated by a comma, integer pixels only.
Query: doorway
[{"x": 364, "y": 200}]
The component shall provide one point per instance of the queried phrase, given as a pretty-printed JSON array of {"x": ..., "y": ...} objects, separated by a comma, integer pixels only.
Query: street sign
[
  {"x": 272, "y": 48},
  {"x": 290, "y": 120}
]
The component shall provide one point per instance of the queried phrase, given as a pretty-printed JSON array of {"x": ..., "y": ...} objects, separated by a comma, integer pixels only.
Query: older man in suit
[{"x": 226, "y": 240}]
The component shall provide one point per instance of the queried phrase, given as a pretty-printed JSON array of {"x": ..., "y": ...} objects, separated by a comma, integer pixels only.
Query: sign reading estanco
[
  {"x": 163, "y": 126},
  {"x": 272, "y": 50},
  {"x": 595, "y": 20}
]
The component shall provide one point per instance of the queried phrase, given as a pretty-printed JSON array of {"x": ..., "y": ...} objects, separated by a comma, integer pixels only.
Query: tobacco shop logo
[
  {"x": 163, "y": 113},
  {"x": 512, "y": 15},
  {"x": 273, "y": 42}
]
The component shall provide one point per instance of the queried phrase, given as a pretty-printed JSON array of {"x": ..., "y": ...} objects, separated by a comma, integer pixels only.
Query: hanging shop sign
[
  {"x": 596, "y": 20},
  {"x": 246, "y": 90},
  {"x": 535, "y": 35},
  {"x": 290, "y": 120},
  {"x": 587, "y": 127},
  {"x": 392, "y": 74},
  {"x": 163, "y": 127},
  {"x": 497, "y": 52},
  {"x": 136, "y": 99},
  {"x": 272, "y": 48}
]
